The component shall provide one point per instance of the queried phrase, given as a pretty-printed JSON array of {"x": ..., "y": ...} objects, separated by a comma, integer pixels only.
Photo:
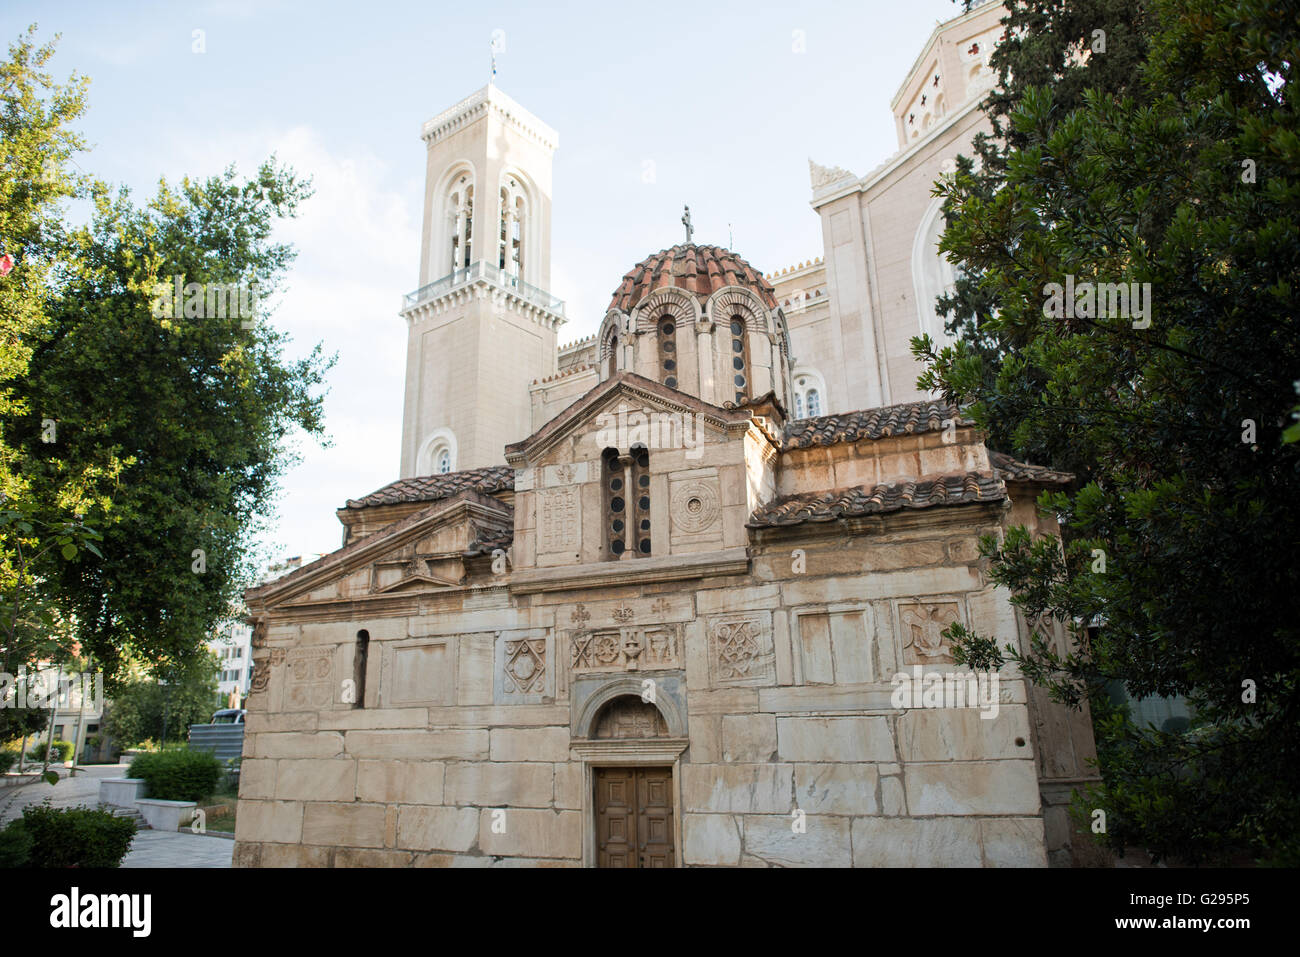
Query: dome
[{"x": 700, "y": 270}]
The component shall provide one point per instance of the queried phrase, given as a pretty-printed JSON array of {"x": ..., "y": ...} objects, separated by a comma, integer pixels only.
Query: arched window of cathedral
[
  {"x": 809, "y": 394},
  {"x": 668, "y": 351},
  {"x": 739, "y": 358},
  {"x": 461, "y": 205},
  {"x": 518, "y": 236},
  {"x": 503, "y": 234},
  {"x": 437, "y": 454}
]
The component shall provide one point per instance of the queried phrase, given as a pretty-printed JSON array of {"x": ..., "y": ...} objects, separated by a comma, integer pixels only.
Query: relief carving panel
[
  {"x": 559, "y": 519},
  {"x": 922, "y": 626},
  {"x": 309, "y": 679},
  {"x": 626, "y": 649},
  {"x": 695, "y": 507},
  {"x": 740, "y": 650}
]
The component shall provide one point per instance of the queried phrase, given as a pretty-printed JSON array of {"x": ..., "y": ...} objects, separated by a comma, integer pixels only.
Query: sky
[{"x": 724, "y": 102}]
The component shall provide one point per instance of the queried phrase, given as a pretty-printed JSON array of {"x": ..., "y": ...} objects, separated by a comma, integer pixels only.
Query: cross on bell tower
[{"x": 686, "y": 221}]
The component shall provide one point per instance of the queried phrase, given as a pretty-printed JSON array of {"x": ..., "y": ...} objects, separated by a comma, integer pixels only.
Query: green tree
[
  {"x": 164, "y": 434},
  {"x": 37, "y": 143},
  {"x": 1074, "y": 47},
  {"x": 142, "y": 704},
  {"x": 1180, "y": 541}
]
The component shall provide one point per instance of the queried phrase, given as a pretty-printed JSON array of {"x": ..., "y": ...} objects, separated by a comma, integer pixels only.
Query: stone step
[{"x": 128, "y": 812}]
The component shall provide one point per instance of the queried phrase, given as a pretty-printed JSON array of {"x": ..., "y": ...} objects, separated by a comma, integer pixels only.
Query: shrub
[
  {"x": 74, "y": 837},
  {"x": 7, "y": 759},
  {"x": 177, "y": 774},
  {"x": 15, "y": 845},
  {"x": 62, "y": 750}
]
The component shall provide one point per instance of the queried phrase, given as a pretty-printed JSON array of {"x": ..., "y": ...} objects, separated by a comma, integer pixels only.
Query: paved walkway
[
  {"x": 162, "y": 849},
  {"x": 148, "y": 849}
]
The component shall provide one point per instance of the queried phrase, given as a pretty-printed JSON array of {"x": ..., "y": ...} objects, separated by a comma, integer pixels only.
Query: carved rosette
[{"x": 694, "y": 507}]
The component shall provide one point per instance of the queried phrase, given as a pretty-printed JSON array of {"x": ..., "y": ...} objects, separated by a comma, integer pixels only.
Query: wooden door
[{"x": 634, "y": 817}]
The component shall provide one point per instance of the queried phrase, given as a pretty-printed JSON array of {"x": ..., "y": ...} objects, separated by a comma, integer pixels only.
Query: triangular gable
[
  {"x": 473, "y": 509},
  {"x": 624, "y": 387}
]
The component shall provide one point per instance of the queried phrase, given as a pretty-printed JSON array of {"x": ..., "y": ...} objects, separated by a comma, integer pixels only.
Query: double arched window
[
  {"x": 626, "y": 480},
  {"x": 809, "y": 395}
]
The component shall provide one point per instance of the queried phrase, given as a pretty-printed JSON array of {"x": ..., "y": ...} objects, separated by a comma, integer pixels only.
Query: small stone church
[{"x": 629, "y": 606}]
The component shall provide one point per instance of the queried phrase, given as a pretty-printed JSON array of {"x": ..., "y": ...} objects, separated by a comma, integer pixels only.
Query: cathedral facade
[{"x": 678, "y": 599}]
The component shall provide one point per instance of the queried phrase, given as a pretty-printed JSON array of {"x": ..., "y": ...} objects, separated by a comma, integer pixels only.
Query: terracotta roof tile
[
  {"x": 1013, "y": 470},
  {"x": 700, "y": 270},
  {"x": 878, "y": 499},
  {"x": 910, "y": 418},
  {"x": 488, "y": 541},
  {"x": 430, "y": 488}
]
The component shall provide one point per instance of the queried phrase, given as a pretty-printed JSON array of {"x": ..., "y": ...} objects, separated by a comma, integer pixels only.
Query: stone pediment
[
  {"x": 424, "y": 552},
  {"x": 614, "y": 403}
]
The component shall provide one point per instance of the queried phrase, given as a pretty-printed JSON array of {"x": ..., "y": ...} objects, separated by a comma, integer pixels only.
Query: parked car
[{"x": 228, "y": 716}]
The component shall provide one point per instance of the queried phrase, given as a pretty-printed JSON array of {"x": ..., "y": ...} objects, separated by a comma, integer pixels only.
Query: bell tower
[{"x": 481, "y": 326}]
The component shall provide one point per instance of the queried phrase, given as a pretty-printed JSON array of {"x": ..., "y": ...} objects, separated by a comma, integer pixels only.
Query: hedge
[
  {"x": 48, "y": 837},
  {"x": 177, "y": 775}
]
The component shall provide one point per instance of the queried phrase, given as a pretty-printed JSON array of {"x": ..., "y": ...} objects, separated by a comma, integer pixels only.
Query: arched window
[
  {"x": 668, "y": 351},
  {"x": 437, "y": 455},
  {"x": 626, "y": 481},
  {"x": 360, "y": 654},
  {"x": 809, "y": 394},
  {"x": 461, "y": 214},
  {"x": 510, "y": 235},
  {"x": 611, "y": 354},
  {"x": 739, "y": 358}
]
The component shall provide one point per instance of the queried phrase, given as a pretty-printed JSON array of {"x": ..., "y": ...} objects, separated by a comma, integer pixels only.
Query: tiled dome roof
[{"x": 701, "y": 270}]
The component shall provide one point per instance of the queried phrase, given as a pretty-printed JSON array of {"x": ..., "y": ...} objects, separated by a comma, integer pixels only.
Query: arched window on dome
[
  {"x": 668, "y": 351},
  {"x": 814, "y": 403},
  {"x": 798, "y": 405},
  {"x": 740, "y": 358},
  {"x": 611, "y": 354},
  {"x": 444, "y": 462}
]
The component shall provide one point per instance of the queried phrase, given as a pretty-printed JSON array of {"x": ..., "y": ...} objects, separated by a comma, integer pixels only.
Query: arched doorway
[{"x": 634, "y": 805}]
